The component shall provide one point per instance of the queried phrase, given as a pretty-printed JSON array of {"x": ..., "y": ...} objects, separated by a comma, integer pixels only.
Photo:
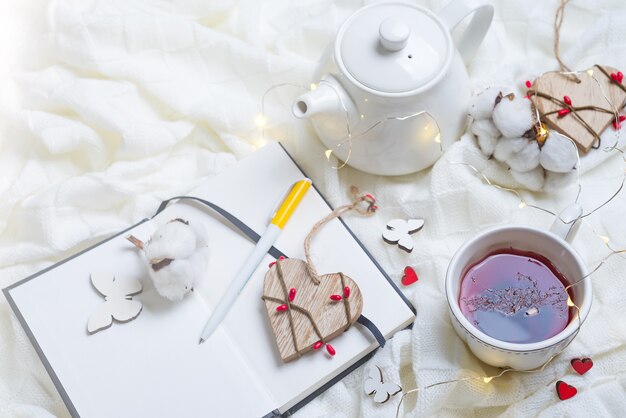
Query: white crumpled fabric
[{"x": 125, "y": 103}]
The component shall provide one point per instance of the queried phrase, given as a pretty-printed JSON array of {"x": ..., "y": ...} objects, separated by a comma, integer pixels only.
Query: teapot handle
[{"x": 455, "y": 12}]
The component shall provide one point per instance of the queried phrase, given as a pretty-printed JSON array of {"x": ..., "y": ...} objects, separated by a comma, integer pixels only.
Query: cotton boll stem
[{"x": 136, "y": 241}]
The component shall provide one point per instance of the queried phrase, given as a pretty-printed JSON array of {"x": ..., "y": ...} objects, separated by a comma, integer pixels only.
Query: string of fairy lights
[{"x": 261, "y": 123}]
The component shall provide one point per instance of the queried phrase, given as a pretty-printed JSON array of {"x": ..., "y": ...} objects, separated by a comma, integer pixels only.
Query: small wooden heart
[
  {"x": 305, "y": 314},
  {"x": 577, "y": 116},
  {"x": 582, "y": 365},
  {"x": 565, "y": 391},
  {"x": 410, "y": 276}
]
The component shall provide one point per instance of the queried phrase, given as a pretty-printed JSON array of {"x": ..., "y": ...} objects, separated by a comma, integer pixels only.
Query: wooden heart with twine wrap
[
  {"x": 580, "y": 106},
  {"x": 307, "y": 310}
]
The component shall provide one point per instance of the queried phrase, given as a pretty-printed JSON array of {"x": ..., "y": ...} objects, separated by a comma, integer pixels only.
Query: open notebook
[{"x": 153, "y": 365}]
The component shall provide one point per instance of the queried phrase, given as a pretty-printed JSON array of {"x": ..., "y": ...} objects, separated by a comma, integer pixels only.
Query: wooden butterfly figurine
[
  {"x": 375, "y": 385},
  {"x": 118, "y": 303},
  {"x": 398, "y": 232}
]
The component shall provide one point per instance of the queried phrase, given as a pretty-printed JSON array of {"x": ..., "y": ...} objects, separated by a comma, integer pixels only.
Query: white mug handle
[
  {"x": 455, "y": 12},
  {"x": 567, "y": 222}
]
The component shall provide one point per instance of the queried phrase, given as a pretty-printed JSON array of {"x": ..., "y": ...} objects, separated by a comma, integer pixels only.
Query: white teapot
[{"x": 392, "y": 90}]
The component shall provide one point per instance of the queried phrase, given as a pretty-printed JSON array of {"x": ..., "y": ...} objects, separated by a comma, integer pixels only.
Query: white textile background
[{"x": 115, "y": 105}]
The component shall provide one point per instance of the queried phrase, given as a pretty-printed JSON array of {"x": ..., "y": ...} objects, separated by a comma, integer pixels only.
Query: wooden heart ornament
[
  {"x": 565, "y": 391},
  {"x": 582, "y": 365},
  {"x": 306, "y": 313},
  {"x": 579, "y": 110}
]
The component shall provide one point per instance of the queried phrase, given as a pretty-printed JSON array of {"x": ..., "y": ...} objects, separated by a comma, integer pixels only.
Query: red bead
[
  {"x": 274, "y": 262},
  {"x": 317, "y": 345},
  {"x": 330, "y": 350},
  {"x": 346, "y": 292},
  {"x": 567, "y": 100},
  {"x": 281, "y": 308},
  {"x": 529, "y": 84},
  {"x": 292, "y": 294},
  {"x": 335, "y": 297},
  {"x": 563, "y": 112},
  {"x": 370, "y": 197},
  {"x": 617, "y": 123},
  {"x": 617, "y": 77}
]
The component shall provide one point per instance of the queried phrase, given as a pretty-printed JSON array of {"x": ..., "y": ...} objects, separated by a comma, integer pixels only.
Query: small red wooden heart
[
  {"x": 582, "y": 365},
  {"x": 410, "y": 276},
  {"x": 565, "y": 391}
]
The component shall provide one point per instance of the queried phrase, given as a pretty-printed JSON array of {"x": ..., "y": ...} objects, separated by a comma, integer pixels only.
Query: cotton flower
[
  {"x": 513, "y": 117},
  {"x": 507, "y": 133},
  {"x": 177, "y": 255},
  {"x": 481, "y": 105},
  {"x": 487, "y": 134}
]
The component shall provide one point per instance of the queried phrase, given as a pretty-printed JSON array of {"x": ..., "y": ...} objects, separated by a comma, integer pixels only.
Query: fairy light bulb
[
  {"x": 522, "y": 204},
  {"x": 313, "y": 86},
  {"x": 604, "y": 239},
  {"x": 328, "y": 152},
  {"x": 487, "y": 379},
  {"x": 570, "y": 303},
  {"x": 438, "y": 138},
  {"x": 260, "y": 120},
  {"x": 590, "y": 72},
  {"x": 541, "y": 134}
]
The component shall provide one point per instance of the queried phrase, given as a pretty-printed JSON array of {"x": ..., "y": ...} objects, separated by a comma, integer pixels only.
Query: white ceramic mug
[{"x": 554, "y": 245}]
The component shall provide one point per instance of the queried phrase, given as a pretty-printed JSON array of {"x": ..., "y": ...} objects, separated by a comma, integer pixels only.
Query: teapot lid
[{"x": 394, "y": 49}]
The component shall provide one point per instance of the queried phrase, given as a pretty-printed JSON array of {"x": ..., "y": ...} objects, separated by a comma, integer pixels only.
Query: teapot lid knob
[{"x": 394, "y": 34}]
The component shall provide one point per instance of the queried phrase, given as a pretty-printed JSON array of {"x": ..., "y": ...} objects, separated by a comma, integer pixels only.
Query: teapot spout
[{"x": 328, "y": 99}]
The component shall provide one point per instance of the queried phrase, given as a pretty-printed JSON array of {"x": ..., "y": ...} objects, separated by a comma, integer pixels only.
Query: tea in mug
[{"x": 515, "y": 296}]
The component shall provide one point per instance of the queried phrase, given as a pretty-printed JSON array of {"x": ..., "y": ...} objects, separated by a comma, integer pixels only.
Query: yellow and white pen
[{"x": 268, "y": 238}]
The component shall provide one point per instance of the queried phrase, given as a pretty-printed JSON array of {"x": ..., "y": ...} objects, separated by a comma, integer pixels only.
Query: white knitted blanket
[{"x": 115, "y": 105}]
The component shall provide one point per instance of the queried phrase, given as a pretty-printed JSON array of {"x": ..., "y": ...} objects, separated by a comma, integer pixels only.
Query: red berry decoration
[
  {"x": 567, "y": 100},
  {"x": 330, "y": 350},
  {"x": 529, "y": 84},
  {"x": 318, "y": 345},
  {"x": 617, "y": 123},
  {"x": 292, "y": 294},
  {"x": 582, "y": 365},
  {"x": 563, "y": 112},
  {"x": 335, "y": 298},
  {"x": 274, "y": 262},
  {"x": 617, "y": 77},
  {"x": 281, "y": 308},
  {"x": 410, "y": 276},
  {"x": 346, "y": 292},
  {"x": 565, "y": 391}
]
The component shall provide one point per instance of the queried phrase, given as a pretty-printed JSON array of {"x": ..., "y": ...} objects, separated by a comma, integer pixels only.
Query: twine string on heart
[
  {"x": 302, "y": 310},
  {"x": 291, "y": 306},
  {"x": 314, "y": 277},
  {"x": 575, "y": 109},
  {"x": 558, "y": 22},
  {"x": 367, "y": 211}
]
